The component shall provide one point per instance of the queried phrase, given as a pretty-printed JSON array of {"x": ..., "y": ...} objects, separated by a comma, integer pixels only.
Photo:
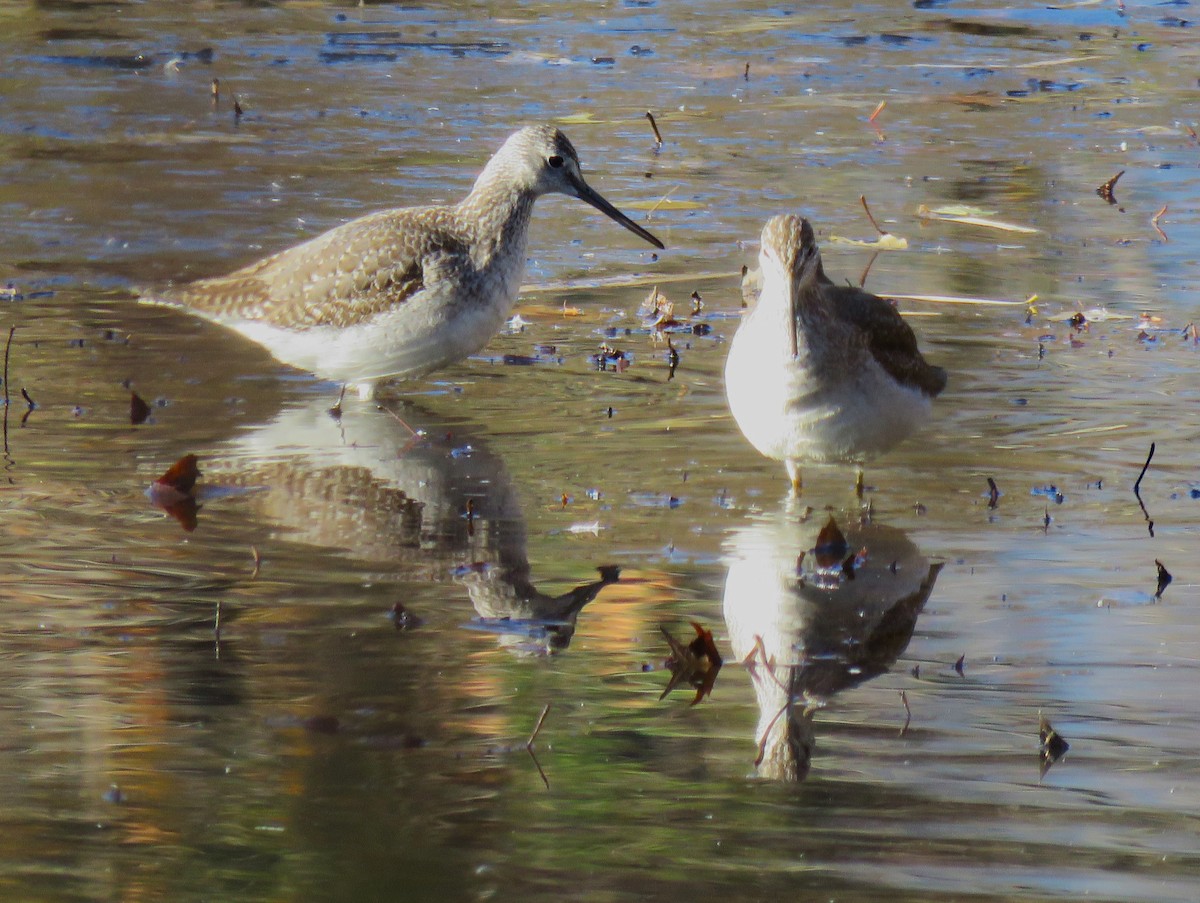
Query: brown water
[{"x": 304, "y": 748}]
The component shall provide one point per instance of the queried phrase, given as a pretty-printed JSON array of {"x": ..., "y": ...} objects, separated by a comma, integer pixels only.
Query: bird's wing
[
  {"x": 340, "y": 278},
  {"x": 891, "y": 340}
]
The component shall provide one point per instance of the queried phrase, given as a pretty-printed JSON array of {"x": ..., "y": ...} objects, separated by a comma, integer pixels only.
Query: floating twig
[
  {"x": 746, "y": 74},
  {"x": 1106, "y": 190},
  {"x": 537, "y": 728},
  {"x": 529, "y": 745},
  {"x": 662, "y": 200},
  {"x": 1138, "y": 483},
  {"x": 907, "y": 713},
  {"x": 7, "y": 349},
  {"x": 257, "y": 562},
  {"x": 658, "y": 139},
  {"x": 862, "y": 199},
  {"x": 862, "y": 280},
  {"x": 878, "y": 110},
  {"x": 993, "y": 493},
  {"x": 1154, "y": 222}
]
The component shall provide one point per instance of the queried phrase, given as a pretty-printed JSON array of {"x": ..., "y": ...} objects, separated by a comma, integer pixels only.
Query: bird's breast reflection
[
  {"x": 813, "y": 609},
  {"x": 422, "y": 492}
]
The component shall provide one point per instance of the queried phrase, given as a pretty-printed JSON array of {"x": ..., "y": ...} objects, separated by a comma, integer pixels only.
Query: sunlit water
[{"x": 231, "y": 713}]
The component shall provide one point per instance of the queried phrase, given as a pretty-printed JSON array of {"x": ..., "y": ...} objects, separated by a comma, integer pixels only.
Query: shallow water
[{"x": 231, "y": 713}]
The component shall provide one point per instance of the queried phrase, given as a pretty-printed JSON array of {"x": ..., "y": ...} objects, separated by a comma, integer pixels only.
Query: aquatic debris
[
  {"x": 886, "y": 240},
  {"x": 611, "y": 359},
  {"x": 174, "y": 492},
  {"x": 1154, "y": 222},
  {"x": 139, "y": 411},
  {"x": 971, "y": 219},
  {"x": 878, "y": 110},
  {"x": 1137, "y": 484},
  {"x": 591, "y": 527},
  {"x": 1050, "y": 491},
  {"x": 1051, "y": 745},
  {"x": 402, "y": 618},
  {"x": 907, "y": 712},
  {"x": 672, "y": 360},
  {"x": 1164, "y": 579},
  {"x": 696, "y": 664},
  {"x": 993, "y": 493},
  {"x": 1106, "y": 190},
  {"x": 658, "y": 138},
  {"x": 958, "y": 665}
]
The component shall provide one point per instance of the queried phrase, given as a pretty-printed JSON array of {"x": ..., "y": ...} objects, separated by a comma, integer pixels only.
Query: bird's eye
[{"x": 555, "y": 162}]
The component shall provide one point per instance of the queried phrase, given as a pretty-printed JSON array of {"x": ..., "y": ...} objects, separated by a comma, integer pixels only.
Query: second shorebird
[
  {"x": 402, "y": 292},
  {"x": 822, "y": 373}
]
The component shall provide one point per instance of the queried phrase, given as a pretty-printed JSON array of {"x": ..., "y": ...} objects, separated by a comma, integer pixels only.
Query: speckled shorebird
[
  {"x": 401, "y": 292},
  {"x": 823, "y": 373}
]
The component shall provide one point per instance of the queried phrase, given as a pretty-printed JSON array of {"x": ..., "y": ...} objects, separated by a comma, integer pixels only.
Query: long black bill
[{"x": 586, "y": 193}]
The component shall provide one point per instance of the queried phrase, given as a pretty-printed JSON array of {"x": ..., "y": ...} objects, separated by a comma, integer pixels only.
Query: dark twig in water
[
  {"x": 1138, "y": 483},
  {"x": 862, "y": 280},
  {"x": 1138, "y": 495},
  {"x": 537, "y": 728},
  {"x": 7, "y": 349},
  {"x": 1164, "y": 579},
  {"x": 1154, "y": 222},
  {"x": 862, "y": 199},
  {"x": 658, "y": 139},
  {"x": 529, "y": 745},
  {"x": 907, "y": 713},
  {"x": 1106, "y": 190},
  {"x": 993, "y": 493},
  {"x": 746, "y": 74}
]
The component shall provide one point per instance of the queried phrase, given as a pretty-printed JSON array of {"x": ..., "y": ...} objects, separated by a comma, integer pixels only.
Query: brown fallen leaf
[
  {"x": 172, "y": 492},
  {"x": 1106, "y": 190},
  {"x": 696, "y": 664},
  {"x": 139, "y": 411}
]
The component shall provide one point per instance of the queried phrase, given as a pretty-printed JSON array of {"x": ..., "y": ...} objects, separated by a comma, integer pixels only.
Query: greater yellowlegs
[
  {"x": 401, "y": 292},
  {"x": 822, "y": 373}
]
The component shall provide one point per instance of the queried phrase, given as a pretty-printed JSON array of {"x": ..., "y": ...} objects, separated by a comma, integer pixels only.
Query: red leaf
[{"x": 182, "y": 475}]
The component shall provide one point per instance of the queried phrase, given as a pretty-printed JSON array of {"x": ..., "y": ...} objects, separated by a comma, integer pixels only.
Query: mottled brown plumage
[{"x": 401, "y": 292}]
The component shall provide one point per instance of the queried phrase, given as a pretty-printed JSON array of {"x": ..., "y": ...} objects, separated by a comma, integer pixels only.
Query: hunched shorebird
[
  {"x": 823, "y": 373},
  {"x": 401, "y": 292}
]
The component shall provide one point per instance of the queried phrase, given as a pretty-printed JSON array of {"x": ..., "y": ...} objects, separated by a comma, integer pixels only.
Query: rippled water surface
[{"x": 241, "y": 712}]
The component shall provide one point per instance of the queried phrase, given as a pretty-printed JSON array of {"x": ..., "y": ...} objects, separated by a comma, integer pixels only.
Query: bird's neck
[{"x": 498, "y": 214}]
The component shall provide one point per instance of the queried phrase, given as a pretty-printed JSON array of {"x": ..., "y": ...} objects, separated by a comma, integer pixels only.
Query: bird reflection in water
[
  {"x": 812, "y": 615},
  {"x": 419, "y": 491}
]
